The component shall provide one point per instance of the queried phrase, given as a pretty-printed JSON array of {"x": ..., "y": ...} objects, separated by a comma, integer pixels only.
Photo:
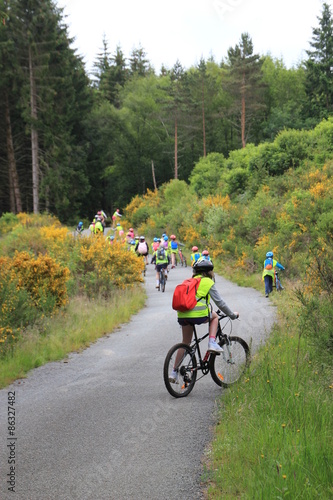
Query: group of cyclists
[
  {"x": 98, "y": 224},
  {"x": 165, "y": 250}
]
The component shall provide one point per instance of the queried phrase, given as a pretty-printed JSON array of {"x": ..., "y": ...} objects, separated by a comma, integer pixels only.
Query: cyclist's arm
[
  {"x": 221, "y": 304},
  {"x": 280, "y": 266}
]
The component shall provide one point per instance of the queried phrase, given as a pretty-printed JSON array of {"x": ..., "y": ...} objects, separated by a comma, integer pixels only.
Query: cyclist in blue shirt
[{"x": 268, "y": 272}]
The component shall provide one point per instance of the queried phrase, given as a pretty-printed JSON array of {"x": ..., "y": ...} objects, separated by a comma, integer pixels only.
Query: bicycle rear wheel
[
  {"x": 162, "y": 280},
  {"x": 182, "y": 359},
  {"x": 226, "y": 368}
]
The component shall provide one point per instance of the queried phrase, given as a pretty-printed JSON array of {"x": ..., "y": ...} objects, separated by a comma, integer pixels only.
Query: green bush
[{"x": 8, "y": 222}]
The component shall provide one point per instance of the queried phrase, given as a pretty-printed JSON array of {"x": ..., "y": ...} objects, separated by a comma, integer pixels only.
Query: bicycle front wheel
[
  {"x": 226, "y": 368},
  {"x": 180, "y": 370}
]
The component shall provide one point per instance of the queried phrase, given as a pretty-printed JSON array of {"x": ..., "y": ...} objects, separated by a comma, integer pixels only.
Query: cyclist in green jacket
[
  {"x": 162, "y": 260},
  {"x": 202, "y": 312},
  {"x": 268, "y": 273}
]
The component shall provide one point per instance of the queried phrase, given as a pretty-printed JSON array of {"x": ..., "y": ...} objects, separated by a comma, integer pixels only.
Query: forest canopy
[{"x": 71, "y": 143}]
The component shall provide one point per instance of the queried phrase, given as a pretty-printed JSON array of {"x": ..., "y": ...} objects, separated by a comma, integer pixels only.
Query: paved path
[{"x": 102, "y": 425}]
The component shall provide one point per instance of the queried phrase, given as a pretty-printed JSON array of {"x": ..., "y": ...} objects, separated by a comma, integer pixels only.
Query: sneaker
[
  {"x": 266, "y": 295},
  {"x": 214, "y": 347},
  {"x": 157, "y": 287},
  {"x": 173, "y": 377}
]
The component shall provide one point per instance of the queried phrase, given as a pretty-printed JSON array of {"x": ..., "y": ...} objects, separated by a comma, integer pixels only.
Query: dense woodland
[{"x": 73, "y": 143}]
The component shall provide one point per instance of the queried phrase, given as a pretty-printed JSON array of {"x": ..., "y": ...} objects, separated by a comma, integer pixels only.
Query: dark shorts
[
  {"x": 192, "y": 321},
  {"x": 161, "y": 266}
]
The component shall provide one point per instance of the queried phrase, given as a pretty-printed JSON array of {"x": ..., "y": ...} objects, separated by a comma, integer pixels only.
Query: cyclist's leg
[
  {"x": 187, "y": 331},
  {"x": 173, "y": 260},
  {"x": 213, "y": 324}
]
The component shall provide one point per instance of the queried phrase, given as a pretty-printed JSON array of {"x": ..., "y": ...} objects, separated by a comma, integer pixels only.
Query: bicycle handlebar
[{"x": 221, "y": 315}]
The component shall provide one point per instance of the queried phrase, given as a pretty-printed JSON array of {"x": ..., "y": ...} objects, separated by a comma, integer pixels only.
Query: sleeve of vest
[{"x": 221, "y": 304}]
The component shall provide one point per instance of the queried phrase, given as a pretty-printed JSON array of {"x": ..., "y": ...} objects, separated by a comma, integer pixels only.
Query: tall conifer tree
[{"x": 319, "y": 68}]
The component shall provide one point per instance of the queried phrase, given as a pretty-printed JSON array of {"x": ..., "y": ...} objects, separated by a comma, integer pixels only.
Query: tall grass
[
  {"x": 83, "y": 322},
  {"x": 274, "y": 437}
]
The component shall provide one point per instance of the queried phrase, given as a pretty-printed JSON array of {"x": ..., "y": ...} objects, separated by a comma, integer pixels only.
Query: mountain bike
[
  {"x": 225, "y": 368},
  {"x": 182, "y": 258},
  {"x": 277, "y": 282}
]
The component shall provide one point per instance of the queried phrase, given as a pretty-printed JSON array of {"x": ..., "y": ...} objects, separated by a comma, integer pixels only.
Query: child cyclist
[
  {"x": 162, "y": 260},
  {"x": 195, "y": 255},
  {"x": 202, "y": 312},
  {"x": 268, "y": 273},
  {"x": 142, "y": 248},
  {"x": 173, "y": 248}
]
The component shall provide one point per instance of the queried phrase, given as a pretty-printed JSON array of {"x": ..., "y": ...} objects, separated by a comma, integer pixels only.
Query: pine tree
[
  {"x": 319, "y": 68},
  {"x": 245, "y": 85},
  {"x": 8, "y": 66}
]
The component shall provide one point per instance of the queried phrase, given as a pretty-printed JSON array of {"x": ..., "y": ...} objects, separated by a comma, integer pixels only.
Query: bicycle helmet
[
  {"x": 173, "y": 237},
  {"x": 141, "y": 238},
  {"x": 203, "y": 265},
  {"x": 80, "y": 224},
  {"x": 269, "y": 254},
  {"x": 205, "y": 252},
  {"x": 194, "y": 249},
  {"x": 155, "y": 240},
  {"x": 165, "y": 238}
]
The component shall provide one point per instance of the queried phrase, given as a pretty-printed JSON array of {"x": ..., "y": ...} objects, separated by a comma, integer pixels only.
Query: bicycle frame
[
  {"x": 203, "y": 364},
  {"x": 183, "y": 361}
]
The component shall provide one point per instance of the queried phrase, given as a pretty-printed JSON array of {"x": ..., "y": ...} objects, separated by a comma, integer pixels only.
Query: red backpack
[{"x": 184, "y": 295}]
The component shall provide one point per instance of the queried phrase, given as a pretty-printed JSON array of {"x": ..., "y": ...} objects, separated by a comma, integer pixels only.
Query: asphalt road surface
[{"x": 101, "y": 425}]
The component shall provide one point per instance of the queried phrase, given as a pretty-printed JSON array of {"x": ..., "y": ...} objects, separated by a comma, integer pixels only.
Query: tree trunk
[
  {"x": 14, "y": 186},
  {"x": 34, "y": 138},
  {"x": 176, "y": 149},
  {"x": 243, "y": 112},
  {"x": 153, "y": 172},
  {"x": 203, "y": 119}
]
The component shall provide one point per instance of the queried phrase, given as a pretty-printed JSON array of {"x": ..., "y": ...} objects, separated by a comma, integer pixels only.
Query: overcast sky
[{"x": 190, "y": 29}]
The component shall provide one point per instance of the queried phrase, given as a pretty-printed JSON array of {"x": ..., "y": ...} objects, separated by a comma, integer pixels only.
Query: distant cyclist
[
  {"x": 195, "y": 255},
  {"x": 268, "y": 273},
  {"x": 98, "y": 226},
  {"x": 155, "y": 244},
  {"x": 79, "y": 228},
  {"x": 173, "y": 248},
  {"x": 205, "y": 254},
  {"x": 162, "y": 260},
  {"x": 142, "y": 248},
  {"x": 115, "y": 215}
]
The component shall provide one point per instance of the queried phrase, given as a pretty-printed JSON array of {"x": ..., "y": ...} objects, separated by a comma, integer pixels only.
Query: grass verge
[
  {"x": 274, "y": 437},
  {"x": 83, "y": 322}
]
